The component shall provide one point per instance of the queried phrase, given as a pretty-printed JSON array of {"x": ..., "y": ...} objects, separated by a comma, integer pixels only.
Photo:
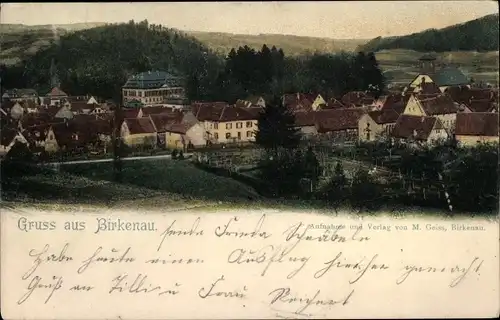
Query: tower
[{"x": 427, "y": 64}]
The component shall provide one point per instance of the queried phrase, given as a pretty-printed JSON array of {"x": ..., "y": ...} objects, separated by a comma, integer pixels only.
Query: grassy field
[{"x": 177, "y": 177}]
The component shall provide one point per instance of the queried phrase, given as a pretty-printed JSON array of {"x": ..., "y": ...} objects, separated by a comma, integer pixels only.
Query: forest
[
  {"x": 480, "y": 34},
  {"x": 98, "y": 61}
]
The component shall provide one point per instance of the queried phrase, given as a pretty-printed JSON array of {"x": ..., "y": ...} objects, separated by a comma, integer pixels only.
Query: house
[
  {"x": 17, "y": 111},
  {"x": 338, "y": 125},
  {"x": 355, "y": 99},
  {"x": 306, "y": 122},
  {"x": 9, "y": 137},
  {"x": 74, "y": 136},
  {"x": 332, "y": 104},
  {"x": 476, "y": 127},
  {"x": 256, "y": 101},
  {"x": 55, "y": 97},
  {"x": 88, "y": 99},
  {"x": 377, "y": 123},
  {"x": 297, "y": 102},
  {"x": 153, "y": 87},
  {"x": 82, "y": 107},
  {"x": 484, "y": 105},
  {"x": 132, "y": 113},
  {"x": 65, "y": 112},
  {"x": 21, "y": 95},
  {"x": 137, "y": 132},
  {"x": 41, "y": 138},
  {"x": 227, "y": 124},
  {"x": 440, "y": 106},
  {"x": 443, "y": 78},
  {"x": 101, "y": 129},
  {"x": 419, "y": 129},
  {"x": 147, "y": 111}
]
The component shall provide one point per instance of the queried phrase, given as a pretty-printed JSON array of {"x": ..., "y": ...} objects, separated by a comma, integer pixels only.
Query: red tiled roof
[
  {"x": 441, "y": 104},
  {"x": 305, "y": 119},
  {"x": 415, "y": 127},
  {"x": 357, "y": 98},
  {"x": 232, "y": 113},
  {"x": 484, "y": 105},
  {"x": 82, "y": 105},
  {"x": 477, "y": 124},
  {"x": 384, "y": 116},
  {"x": 140, "y": 125},
  {"x": 338, "y": 119},
  {"x": 130, "y": 113},
  {"x": 74, "y": 134},
  {"x": 57, "y": 92},
  {"x": 162, "y": 122},
  {"x": 297, "y": 102},
  {"x": 429, "y": 88},
  {"x": 156, "y": 110},
  {"x": 334, "y": 104}
]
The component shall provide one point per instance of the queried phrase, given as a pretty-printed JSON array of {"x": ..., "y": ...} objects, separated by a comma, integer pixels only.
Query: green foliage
[
  {"x": 174, "y": 154},
  {"x": 100, "y": 60},
  {"x": 480, "y": 34},
  {"x": 276, "y": 128},
  {"x": 335, "y": 190},
  {"x": 365, "y": 193}
]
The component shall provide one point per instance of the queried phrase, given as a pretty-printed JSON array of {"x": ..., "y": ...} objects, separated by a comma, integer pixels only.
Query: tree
[
  {"x": 335, "y": 189},
  {"x": 365, "y": 193},
  {"x": 311, "y": 167},
  {"x": 276, "y": 128}
]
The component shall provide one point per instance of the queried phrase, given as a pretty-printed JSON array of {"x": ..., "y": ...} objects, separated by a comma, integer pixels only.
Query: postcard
[{"x": 297, "y": 160}]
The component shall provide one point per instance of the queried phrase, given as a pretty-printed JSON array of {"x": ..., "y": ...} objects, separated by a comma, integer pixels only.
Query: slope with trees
[{"x": 476, "y": 35}]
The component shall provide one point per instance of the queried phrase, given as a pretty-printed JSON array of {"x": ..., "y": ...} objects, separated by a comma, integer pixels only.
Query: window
[
  {"x": 216, "y": 126},
  {"x": 216, "y": 136},
  {"x": 249, "y": 124},
  {"x": 249, "y": 134},
  {"x": 228, "y": 135},
  {"x": 229, "y": 126},
  {"x": 239, "y": 135},
  {"x": 239, "y": 125}
]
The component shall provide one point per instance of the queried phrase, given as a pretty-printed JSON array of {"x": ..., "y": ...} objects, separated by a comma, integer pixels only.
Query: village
[{"x": 156, "y": 116}]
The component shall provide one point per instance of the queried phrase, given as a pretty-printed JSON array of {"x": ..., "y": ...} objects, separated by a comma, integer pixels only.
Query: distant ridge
[{"x": 475, "y": 35}]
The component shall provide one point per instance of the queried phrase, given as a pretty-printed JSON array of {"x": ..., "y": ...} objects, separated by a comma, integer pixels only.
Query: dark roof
[
  {"x": 140, "y": 125},
  {"x": 74, "y": 134},
  {"x": 429, "y": 88},
  {"x": 434, "y": 105},
  {"x": 297, "y": 102},
  {"x": 305, "y": 119},
  {"x": 338, "y": 119},
  {"x": 156, "y": 110},
  {"x": 484, "y": 105},
  {"x": 153, "y": 80},
  {"x": 450, "y": 76},
  {"x": 415, "y": 127},
  {"x": 7, "y": 135},
  {"x": 163, "y": 122},
  {"x": 477, "y": 124},
  {"x": 384, "y": 116},
  {"x": 357, "y": 98},
  {"x": 222, "y": 112},
  {"x": 333, "y": 103},
  {"x": 131, "y": 113},
  {"x": 21, "y": 93},
  {"x": 57, "y": 92}
]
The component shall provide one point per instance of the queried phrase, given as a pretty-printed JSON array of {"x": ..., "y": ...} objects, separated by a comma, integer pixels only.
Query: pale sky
[{"x": 341, "y": 20}]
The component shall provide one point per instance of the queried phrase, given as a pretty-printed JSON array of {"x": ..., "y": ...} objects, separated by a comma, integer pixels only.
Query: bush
[
  {"x": 181, "y": 155},
  {"x": 174, "y": 154}
]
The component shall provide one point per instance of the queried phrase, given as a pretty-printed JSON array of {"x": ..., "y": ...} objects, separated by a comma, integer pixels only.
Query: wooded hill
[
  {"x": 480, "y": 34},
  {"x": 100, "y": 60}
]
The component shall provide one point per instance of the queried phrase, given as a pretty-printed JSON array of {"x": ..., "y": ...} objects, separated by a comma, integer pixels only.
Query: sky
[{"x": 340, "y": 20}]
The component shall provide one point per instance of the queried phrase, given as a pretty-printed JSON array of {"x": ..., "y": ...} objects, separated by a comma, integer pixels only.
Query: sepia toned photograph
[{"x": 340, "y": 109}]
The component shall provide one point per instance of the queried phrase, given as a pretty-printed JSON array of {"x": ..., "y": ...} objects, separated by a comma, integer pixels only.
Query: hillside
[
  {"x": 476, "y": 35},
  {"x": 19, "y": 41},
  {"x": 291, "y": 45},
  {"x": 99, "y": 60}
]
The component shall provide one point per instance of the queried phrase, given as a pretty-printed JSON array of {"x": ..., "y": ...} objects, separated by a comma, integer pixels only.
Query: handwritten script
[{"x": 242, "y": 265}]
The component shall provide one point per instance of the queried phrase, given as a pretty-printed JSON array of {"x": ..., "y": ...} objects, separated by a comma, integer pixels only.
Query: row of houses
[{"x": 414, "y": 116}]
